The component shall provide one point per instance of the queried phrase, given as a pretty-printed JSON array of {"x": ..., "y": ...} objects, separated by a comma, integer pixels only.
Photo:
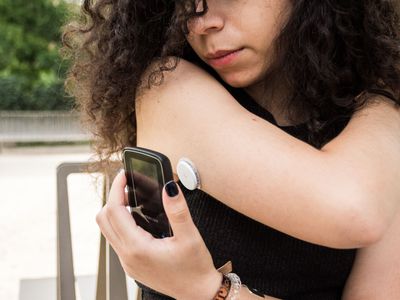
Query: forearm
[
  {"x": 343, "y": 196},
  {"x": 289, "y": 185},
  {"x": 309, "y": 198}
]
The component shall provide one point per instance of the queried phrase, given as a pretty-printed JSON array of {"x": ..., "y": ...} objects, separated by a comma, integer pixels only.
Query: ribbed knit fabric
[{"x": 265, "y": 259}]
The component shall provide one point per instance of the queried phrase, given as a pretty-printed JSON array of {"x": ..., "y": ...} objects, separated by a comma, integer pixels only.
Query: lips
[
  {"x": 220, "y": 54},
  {"x": 222, "y": 57}
]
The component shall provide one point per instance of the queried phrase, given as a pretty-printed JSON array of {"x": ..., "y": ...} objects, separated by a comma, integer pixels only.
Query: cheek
[{"x": 265, "y": 45}]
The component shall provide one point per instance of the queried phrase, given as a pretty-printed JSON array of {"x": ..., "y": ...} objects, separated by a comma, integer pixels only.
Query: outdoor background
[{"x": 38, "y": 131}]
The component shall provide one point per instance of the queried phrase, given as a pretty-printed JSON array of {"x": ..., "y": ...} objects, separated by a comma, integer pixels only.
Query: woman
[{"x": 313, "y": 85}]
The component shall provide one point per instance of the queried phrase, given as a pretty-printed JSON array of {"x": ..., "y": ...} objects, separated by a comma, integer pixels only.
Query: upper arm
[
  {"x": 253, "y": 166},
  {"x": 376, "y": 271}
]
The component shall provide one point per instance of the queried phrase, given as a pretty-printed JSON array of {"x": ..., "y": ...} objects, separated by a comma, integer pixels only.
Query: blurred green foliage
[{"x": 31, "y": 70}]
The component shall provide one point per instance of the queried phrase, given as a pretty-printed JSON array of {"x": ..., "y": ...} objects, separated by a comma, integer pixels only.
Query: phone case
[{"x": 157, "y": 224}]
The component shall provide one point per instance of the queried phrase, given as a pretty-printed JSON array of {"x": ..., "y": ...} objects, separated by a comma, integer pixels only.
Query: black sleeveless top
[{"x": 270, "y": 261}]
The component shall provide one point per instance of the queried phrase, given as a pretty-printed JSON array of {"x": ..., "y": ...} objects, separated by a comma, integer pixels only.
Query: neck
[{"x": 272, "y": 97}]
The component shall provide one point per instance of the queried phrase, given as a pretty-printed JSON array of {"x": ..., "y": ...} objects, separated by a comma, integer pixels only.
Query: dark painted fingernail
[{"x": 171, "y": 188}]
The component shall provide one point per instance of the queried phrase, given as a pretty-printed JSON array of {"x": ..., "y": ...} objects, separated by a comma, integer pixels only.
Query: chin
[{"x": 237, "y": 80}]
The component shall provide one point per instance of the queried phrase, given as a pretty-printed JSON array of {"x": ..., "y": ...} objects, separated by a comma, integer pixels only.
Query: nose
[{"x": 210, "y": 21}]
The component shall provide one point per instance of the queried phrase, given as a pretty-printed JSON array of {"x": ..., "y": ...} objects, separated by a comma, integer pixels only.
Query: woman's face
[{"x": 235, "y": 37}]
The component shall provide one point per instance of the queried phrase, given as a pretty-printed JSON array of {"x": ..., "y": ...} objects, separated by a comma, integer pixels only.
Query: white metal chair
[{"x": 111, "y": 279}]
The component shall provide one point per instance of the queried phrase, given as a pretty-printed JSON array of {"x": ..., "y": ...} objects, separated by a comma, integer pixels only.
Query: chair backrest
[{"x": 111, "y": 279}]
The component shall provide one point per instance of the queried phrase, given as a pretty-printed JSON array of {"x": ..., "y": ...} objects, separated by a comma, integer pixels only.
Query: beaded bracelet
[
  {"x": 230, "y": 287},
  {"x": 235, "y": 286}
]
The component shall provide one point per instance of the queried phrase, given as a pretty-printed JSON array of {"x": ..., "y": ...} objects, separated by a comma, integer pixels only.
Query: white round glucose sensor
[{"x": 188, "y": 174}]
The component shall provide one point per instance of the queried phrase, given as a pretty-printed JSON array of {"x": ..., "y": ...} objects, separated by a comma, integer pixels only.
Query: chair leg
[
  {"x": 101, "y": 273},
  {"x": 65, "y": 266},
  {"x": 116, "y": 276},
  {"x": 101, "y": 285}
]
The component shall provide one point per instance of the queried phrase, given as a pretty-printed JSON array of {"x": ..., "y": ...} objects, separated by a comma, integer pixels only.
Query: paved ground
[{"x": 28, "y": 215}]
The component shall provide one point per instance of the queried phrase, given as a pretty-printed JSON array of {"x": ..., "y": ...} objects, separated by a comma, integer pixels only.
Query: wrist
[
  {"x": 213, "y": 286},
  {"x": 229, "y": 289},
  {"x": 204, "y": 289}
]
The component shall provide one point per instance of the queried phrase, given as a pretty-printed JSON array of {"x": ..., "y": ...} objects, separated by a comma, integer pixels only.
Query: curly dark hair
[{"x": 340, "y": 48}]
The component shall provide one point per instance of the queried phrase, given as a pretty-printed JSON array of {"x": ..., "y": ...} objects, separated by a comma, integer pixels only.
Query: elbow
[
  {"x": 364, "y": 213},
  {"x": 364, "y": 224},
  {"x": 365, "y": 232}
]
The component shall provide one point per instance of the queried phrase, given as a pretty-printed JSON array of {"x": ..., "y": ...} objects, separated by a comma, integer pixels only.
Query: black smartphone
[{"x": 147, "y": 172}]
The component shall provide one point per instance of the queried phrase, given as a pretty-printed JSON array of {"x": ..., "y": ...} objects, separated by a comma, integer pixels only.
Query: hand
[{"x": 179, "y": 266}]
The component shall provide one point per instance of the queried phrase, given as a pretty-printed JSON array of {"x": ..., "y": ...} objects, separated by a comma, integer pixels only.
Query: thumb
[{"x": 177, "y": 210}]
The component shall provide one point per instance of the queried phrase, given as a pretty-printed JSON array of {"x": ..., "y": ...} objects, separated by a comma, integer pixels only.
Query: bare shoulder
[
  {"x": 184, "y": 76},
  {"x": 179, "y": 68},
  {"x": 180, "y": 98},
  {"x": 187, "y": 94},
  {"x": 189, "y": 106}
]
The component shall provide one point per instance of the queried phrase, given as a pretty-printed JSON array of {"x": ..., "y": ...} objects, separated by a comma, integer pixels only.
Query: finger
[
  {"x": 126, "y": 196},
  {"x": 119, "y": 217},
  {"x": 107, "y": 230},
  {"x": 124, "y": 225},
  {"x": 117, "y": 191},
  {"x": 177, "y": 210}
]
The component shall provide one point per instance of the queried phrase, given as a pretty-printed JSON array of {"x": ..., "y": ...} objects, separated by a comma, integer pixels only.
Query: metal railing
[{"x": 40, "y": 126}]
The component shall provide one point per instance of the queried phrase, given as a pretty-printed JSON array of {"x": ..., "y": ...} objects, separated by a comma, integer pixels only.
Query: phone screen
[{"x": 144, "y": 193}]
